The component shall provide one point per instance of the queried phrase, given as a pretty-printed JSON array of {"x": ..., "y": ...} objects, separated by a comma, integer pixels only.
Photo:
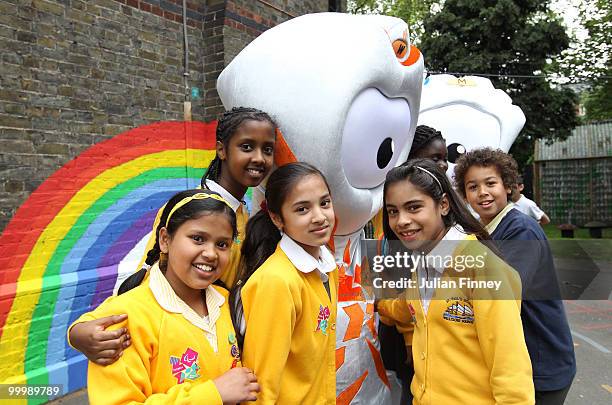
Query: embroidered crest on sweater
[
  {"x": 322, "y": 319},
  {"x": 459, "y": 310},
  {"x": 186, "y": 367},
  {"x": 234, "y": 351}
]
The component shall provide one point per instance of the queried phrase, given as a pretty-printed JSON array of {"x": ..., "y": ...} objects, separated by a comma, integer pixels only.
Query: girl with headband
[
  {"x": 467, "y": 344},
  {"x": 395, "y": 347},
  {"x": 184, "y": 349}
]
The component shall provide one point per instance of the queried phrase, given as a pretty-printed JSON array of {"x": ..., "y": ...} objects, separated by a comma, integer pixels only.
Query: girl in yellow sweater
[
  {"x": 468, "y": 345},
  {"x": 184, "y": 349},
  {"x": 286, "y": 295},
  {"x": 246, "y": 138}
]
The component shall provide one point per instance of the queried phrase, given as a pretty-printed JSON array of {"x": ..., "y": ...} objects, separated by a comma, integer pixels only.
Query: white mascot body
[
  {"x": 345, "y": 92},
  {"x": 470, "y": 113}
]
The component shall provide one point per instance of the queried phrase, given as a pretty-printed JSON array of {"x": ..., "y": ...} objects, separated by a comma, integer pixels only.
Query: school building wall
[{"x": 91, "y": 144}]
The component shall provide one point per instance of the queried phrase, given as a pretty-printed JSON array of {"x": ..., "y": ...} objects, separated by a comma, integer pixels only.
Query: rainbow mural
[{"x": 63, "y": 250}]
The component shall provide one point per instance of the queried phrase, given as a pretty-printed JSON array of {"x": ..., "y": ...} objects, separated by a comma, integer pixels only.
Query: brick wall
[{"x": 75, "y": 72}]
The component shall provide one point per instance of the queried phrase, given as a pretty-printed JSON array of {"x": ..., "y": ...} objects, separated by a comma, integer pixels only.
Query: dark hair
[
  {"x": 457, "y": 214},
  {"x": 226, "y": 128},
  {"x": 423, "y": 136},
  {"x": 485, "y": 157},
  {"x": 192, "y": 210},
  {"x": 262, "y": 236}
]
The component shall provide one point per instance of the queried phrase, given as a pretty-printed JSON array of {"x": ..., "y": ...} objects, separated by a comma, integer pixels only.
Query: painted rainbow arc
[{"x": 62, "y": 251}]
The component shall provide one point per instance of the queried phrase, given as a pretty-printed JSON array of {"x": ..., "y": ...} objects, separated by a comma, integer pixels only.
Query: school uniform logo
[
  {"x": 186, "y": 367},
  {"x": 234, "y": 351},
  {"x": 323, "y": 319},
  {"x": 459, "y": 310}
]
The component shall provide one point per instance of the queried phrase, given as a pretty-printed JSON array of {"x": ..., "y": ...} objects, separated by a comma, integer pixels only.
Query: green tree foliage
[
  {"x": 411, "y": 11},
  {"x": 588, "y": 57},
  {"x": 598, "y": 101},
  {"x": 513, "y": 39},
  {"x": 587, "y": 61}
]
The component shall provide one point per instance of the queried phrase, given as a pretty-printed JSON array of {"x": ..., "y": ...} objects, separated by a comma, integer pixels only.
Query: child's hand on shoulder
[
  {"x": 97, "y": 344},
  {"x": 237, "y": 385}
]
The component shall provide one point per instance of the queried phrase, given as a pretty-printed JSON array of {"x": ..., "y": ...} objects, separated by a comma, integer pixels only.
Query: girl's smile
[
  {"x": 408, "y": 235},
  {"x": 256, "y": 172},
  {"x": 321, "y": 230},
  {"x": 205, "y": 268}
]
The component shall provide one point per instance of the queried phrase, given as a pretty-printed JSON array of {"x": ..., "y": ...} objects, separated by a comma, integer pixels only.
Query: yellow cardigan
[
  {"x": 469, "y": 348},
  {"x": 169, "y": 361},
  {"x": 229, "y": 275},
  {"x": 291, "y": 333}
]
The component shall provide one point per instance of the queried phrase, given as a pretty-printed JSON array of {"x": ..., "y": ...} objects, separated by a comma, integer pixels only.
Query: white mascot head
[
  {"x": 345, "y": 92},
  {"x": 470, "y": 113}
]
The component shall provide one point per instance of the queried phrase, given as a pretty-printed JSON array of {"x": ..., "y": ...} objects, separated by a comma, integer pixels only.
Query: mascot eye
[
  {"x": 385, "y": 153},
  {"x": 400, "y": 47},
  {"x": 375, "y": 137},
  {"x": 455, "y": 150}
]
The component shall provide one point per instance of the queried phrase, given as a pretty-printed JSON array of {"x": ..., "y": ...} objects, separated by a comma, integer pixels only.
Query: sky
[{"x": 568, "y": 9}]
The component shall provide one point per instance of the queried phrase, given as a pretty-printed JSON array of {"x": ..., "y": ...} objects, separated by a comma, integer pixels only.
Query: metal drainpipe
[{"x": 187, "y": 102}]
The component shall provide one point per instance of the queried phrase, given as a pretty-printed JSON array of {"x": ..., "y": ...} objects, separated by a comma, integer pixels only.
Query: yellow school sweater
[
  {"x": 469, "y": 346},
  {"x": 170, "y": 359},
  {"x": 291, "y": 333},
  {"x": 229, "y": 275},
  {"x": 406, "y": 328}
]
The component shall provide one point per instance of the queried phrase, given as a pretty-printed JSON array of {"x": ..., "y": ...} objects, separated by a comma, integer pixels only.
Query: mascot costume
[
  {"x": 345, "y": 92},
  {"x": 470, "y": 113}
]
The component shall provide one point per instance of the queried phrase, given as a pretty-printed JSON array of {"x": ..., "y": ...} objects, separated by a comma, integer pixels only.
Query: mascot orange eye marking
[
  {"x": 400, "y": 48},
  {"x": 414, "y": 56},
  {"x": 406, "y": 54}
]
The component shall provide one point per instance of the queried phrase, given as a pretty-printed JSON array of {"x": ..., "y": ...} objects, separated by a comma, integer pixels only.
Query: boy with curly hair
[{"x": 485, "y": 178}]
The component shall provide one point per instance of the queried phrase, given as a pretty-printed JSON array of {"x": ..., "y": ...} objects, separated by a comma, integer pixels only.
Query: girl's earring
[{"x": 163, "y": 260}]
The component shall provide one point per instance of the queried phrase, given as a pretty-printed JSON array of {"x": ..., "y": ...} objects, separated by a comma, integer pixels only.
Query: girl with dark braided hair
[
  {"x": 240, "y": 132},
  {"x": 245, "y": 150},
  {"x": 428, "y": 143}
]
